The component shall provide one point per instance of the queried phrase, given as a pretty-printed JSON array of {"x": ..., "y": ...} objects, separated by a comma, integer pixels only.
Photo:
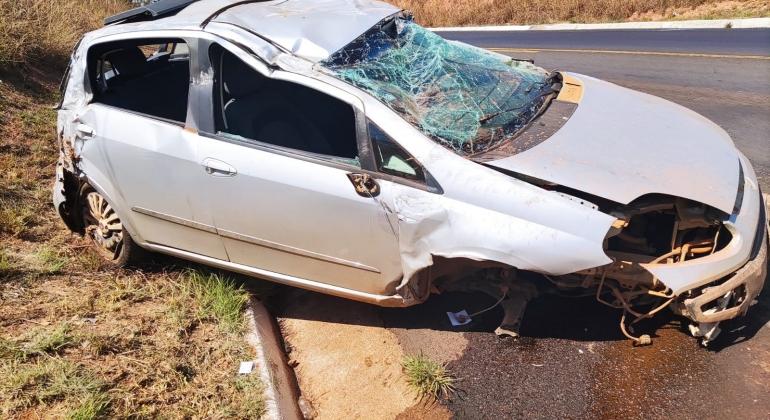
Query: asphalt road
[
  {"x": 572, "y": 361},
  {"x": 749, "y": 42}
]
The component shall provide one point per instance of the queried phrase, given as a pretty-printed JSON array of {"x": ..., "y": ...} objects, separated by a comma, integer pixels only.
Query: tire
[{"x": 102, "y": 225}]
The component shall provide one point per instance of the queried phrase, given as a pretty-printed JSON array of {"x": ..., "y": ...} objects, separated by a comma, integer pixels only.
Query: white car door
[
  {"x": 135, "y": 147},
  {"x": 283, "y": 203}
]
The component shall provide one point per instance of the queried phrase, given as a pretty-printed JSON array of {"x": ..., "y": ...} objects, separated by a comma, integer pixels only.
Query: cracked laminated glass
[{"x": 467, "y": 99}]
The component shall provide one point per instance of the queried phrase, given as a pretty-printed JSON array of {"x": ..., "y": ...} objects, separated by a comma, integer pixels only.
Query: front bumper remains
[{"x": 740, "y": 289}]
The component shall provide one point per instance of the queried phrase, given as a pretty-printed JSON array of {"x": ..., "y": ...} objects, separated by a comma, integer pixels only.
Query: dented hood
[{"x": 621, "y": 144}]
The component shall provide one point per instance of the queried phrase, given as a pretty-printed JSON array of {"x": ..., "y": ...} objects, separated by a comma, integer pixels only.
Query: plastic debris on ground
[
  {"x": 459, "y": 318},
  {"x": 246, "y": 368}
]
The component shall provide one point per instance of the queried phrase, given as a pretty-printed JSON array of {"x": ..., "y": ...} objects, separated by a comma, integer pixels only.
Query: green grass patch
[
  {"x": 52, "y": 342},
  {"x": 7, "y": 265},
  {"x": 48, "y": 261},
  {"x": 251, "y": 395},
  {"x": 46, "y": 381},
  {"x": 93, "y": 406},
  {"x": 428, "y": 378},
  {"x": 10, "y": 350},
  {"x": 14, "y": 217},
  {"x": 219, "y": 299}
]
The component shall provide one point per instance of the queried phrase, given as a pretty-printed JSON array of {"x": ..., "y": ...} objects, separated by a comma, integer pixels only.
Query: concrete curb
[
  {"x": 281, "y": 389},
  {"x": 681, "y": 24}
]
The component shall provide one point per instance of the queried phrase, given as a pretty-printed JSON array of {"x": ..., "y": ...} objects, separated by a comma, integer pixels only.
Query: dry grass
[
  {"x": 131, "y": 344},
  {"x": 435, "y": 13},
  {"x": 32, "y": 31}
]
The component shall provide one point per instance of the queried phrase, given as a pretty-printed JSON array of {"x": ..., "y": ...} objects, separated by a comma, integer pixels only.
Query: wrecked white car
[{"x": 339, "y": 147}]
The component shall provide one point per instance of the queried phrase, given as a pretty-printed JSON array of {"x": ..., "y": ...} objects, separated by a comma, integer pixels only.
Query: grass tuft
[
  {"x": 53, "y": 342},
  {"x": 14, "y": 217},
  {"x": 7, "y": 266},
  {"x": 252, "y": 397},
  {"x": 92, "y": 407},
  {"x": 46, "y": 381},
  {"x": 10, "y": 350},
  {"x": 218, "y": 299},
  {"x": 48, "y": 261},
  {"x": 428, "y": 378}
]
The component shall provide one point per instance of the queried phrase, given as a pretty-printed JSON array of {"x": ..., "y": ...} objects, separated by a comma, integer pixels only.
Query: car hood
[{"x": 621, "y": 144}]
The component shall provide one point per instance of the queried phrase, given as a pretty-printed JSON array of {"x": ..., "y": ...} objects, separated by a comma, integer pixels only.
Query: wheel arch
[{"x": 123, "y": 211}]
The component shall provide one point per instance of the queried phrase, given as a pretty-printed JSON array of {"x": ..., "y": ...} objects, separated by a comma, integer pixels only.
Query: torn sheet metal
[{"x": 464, "y": 98}]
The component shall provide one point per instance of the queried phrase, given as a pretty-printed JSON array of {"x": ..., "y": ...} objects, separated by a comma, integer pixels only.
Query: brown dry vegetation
[
  {"x": 76, "y": 341},
  {"x": 33, "y": 31},
  {"x": 437, "y": 13}
]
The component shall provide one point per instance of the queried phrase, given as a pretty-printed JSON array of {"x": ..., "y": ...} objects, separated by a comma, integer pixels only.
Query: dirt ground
[{"x": 349, "y": 364}]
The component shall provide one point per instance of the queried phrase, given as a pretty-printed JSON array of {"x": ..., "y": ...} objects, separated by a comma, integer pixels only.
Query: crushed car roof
[{"x": 311, "y": 29}]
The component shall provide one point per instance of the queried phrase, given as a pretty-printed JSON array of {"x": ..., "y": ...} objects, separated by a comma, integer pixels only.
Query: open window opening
[
  {"x": 256, "y": 107},
  {"x": 149, "y": 76}
]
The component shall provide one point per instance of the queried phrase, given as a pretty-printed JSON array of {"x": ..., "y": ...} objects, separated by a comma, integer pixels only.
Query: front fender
[{"x": 435, "y": 225}]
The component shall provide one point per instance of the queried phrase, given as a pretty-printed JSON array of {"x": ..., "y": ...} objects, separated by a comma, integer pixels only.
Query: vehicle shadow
[{"x": 548, "y": 316}]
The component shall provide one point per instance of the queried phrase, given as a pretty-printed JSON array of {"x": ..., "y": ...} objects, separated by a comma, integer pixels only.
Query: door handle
[
  {"x": 85, "y": 131},
  {"x": 216, "y": 167},
  {"x": 365, "y": 185}
]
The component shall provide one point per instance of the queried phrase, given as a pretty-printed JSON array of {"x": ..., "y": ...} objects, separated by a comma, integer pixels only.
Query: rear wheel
[{"x": 105, "y": 230}]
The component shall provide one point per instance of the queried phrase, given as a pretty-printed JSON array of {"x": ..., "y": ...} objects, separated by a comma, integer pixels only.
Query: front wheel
[{"x": 104, "y": 228}]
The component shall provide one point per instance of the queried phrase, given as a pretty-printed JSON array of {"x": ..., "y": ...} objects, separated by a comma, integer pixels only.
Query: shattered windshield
[{"x": 465, "y": 98}]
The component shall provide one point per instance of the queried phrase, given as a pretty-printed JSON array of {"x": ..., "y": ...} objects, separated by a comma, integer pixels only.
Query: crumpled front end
[
  {"x": 712, "y": 269},
  {"x": 729, "y": 299},
  {"x": 725, "y": 283},
  {"x": 731, "y": 295}
]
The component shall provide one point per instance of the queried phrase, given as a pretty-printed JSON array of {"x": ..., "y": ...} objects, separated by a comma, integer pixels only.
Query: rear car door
[
  {"x": 281, "y": 174},
  {"x": 135, "y": 147}
]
